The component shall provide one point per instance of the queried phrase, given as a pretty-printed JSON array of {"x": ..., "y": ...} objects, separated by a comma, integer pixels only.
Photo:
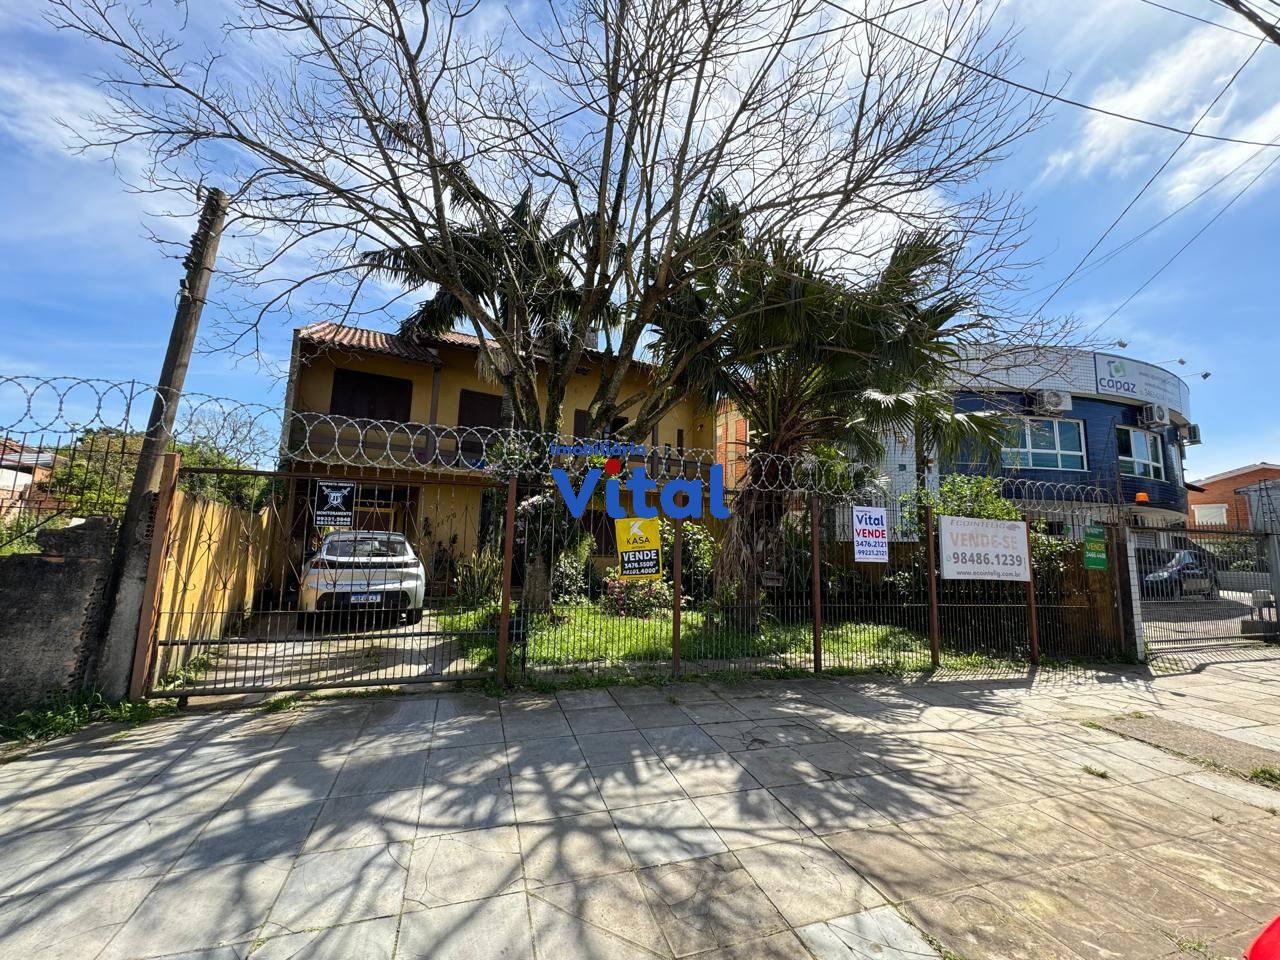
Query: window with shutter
[{"x": 370, "y": 396}]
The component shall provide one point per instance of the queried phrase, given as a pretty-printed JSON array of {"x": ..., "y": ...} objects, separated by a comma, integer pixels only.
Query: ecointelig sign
[
  {"x": 1122, "y": 377},
  {"x": 984, "y": 549}
]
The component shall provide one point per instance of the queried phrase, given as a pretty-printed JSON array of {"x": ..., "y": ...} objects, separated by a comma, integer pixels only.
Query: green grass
[
  {"x": 1267, "y": 776},
  {"x": 583, "y": 635},
  {"x": 282, "y": 703},
  {"x": 187, "y": 675},
  {"x": 65, "y": 713}
]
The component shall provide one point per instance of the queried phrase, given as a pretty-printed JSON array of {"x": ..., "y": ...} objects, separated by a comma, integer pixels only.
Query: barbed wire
[{"x": 55, "y": 414}]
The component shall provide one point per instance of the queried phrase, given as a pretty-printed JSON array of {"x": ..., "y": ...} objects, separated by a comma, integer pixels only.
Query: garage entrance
[
  {"x": 1202, "y": 590},
  {"x": 300, "y": 580}
]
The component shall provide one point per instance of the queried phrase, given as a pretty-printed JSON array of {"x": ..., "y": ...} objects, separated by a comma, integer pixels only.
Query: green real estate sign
[{"x": 1095, "y": 548}]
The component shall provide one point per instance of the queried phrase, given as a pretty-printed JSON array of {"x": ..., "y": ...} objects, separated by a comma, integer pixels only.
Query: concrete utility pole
[
  {"x": 112, "y": 661},
  {"x": 1267, "y": 27}
]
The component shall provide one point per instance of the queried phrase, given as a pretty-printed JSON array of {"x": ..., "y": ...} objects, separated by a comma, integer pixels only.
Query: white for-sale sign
[
  {"x": 870, "y": 535},
  {"x": 983, "y": 549}
]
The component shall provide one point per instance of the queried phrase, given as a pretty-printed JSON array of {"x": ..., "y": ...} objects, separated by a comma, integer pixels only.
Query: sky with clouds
[{"x": 83, "y": 291}]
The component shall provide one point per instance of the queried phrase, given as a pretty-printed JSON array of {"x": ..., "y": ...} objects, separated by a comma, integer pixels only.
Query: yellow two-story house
[{"x": 405, "y": 420}]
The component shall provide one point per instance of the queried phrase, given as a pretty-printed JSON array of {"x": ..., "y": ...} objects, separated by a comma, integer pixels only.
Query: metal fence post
[
  {"x": 676, "y": 592},
  {"x": 815, "y": 546},
  {"x": 1033, "y": 625},
  {"x": 1273, "y": 565},
  {"x": 931, "y": 562},
  {"x": 145, "y": 643},
  {"x": 508, "y": 561},
  {"x": 1135, "y": 599}
]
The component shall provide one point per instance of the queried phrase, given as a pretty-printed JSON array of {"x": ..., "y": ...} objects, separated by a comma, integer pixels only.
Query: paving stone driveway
[{"x": 763, "y": 820}]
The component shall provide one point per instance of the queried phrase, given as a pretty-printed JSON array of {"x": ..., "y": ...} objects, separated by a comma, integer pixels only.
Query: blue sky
[{"x": 83, "y": 292}]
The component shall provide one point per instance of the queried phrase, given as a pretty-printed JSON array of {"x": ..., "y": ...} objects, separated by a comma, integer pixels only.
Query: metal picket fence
[{"x": 483, "y": 571}]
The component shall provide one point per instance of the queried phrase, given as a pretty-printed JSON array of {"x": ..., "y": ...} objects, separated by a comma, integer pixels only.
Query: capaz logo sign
[
  {"x": 1115, "y": 379},
  {"x": 639, "y": 485}
]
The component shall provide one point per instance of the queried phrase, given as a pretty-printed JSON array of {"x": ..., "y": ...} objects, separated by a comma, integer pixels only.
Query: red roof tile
[{"x": 339, "y": 335}]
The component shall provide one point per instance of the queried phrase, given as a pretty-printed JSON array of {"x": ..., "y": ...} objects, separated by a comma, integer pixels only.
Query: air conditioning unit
[
  {"x": 1154, "y": 415},
  {"x": 1052, "y": 401},
  {"x": 1191, "y": 433}
]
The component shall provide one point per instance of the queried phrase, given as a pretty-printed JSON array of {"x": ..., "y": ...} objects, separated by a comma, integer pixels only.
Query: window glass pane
[
  {"x": 1069, "y": 436},
  {"x": 1157, "y": 471},
  {"x": 1049, "y": 460},
  {"x": 1124, "y": 442},
  {"x": 1014, "y": 434},
  {"x": 1153, "y": 446},
  {"x": 1042, "y": 437},
  {"x": 1142, "y": 469},
  {"x": 1072, "y": 461},
  {"x": 1013, "y": 458},
  {"x": 1126, "y": 467}
]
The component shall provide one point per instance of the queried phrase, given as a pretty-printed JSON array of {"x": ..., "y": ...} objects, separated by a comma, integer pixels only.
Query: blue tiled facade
[{"x": 1100, "y": 419}]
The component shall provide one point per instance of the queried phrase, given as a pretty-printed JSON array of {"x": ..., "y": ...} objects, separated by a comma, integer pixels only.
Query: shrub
[
  {"x": 697, "y": 558},
  {"x": 571, "y": 579},
  {"x": 635, "y": 598},
  {"x": 480, "y": 578}
]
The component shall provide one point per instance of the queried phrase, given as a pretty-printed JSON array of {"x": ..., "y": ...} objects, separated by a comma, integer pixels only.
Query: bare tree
[{"x": 359, "y": 138}]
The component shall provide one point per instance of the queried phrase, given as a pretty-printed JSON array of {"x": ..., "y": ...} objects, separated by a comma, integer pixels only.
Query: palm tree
[
  {"x": 812, "y": 363},
  {"x": 512, "y": 262}
]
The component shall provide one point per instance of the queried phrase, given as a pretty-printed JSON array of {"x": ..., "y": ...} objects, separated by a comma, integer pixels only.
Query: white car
[{"x": 364, "y": 571}]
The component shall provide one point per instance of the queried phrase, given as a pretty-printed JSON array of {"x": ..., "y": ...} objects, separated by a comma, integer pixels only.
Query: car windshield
[
  {"x": 1183, "y": 558},
  {"x": 367, "y": 546}
]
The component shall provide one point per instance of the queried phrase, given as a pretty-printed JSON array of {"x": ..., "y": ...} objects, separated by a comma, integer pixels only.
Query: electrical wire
[
  {"x": 1204, "y": 20},
  {"x": 1045, "y": 94},
  {"x": 1186, "y": 204},
  {"x": 1150, "y": 180},
  {"x": 1194, "y": 237}
]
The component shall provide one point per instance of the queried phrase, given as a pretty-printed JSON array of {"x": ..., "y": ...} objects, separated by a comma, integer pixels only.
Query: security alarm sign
[
  {"x": 870, "y": 535},
  {"x": 335, "y": 503},
  {"x": 983, "y": 549},
  {"x": 639, "y": 548}
]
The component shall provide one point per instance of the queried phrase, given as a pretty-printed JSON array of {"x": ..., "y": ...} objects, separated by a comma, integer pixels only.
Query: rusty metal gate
[
  {"x": 265, "y": 581},
  {"x": 1202, "y": 590}
]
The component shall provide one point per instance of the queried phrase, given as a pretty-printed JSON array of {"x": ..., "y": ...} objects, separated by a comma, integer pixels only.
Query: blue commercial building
[{"x": 1075, "y": 418}]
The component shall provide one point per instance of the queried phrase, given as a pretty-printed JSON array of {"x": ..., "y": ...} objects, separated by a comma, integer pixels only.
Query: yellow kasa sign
[{"x": 639, "y": 548}]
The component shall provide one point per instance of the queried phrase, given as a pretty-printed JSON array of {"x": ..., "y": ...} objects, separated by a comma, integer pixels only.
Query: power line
[
  {"x": 1204, "y": 20},
  {"x": 1120, "y": 248},
  {"x": 991, "y": 75},
  {"x": 1150, "y": 180},
  {"x": 1194, "y": 237}
]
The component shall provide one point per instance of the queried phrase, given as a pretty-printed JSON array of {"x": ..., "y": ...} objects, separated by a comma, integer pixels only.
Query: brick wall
[
  {"x": 51, "y": 602},
  {"x": 1224, "y": 492}
]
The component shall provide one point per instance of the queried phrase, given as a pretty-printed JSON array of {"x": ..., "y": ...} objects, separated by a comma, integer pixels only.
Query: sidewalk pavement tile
[
  {"x": 200, "y": 908},
  {"x": 497, "y": 927},
  {"x": 609, "y": 914},
  {"x": 341, "y": 886},
  {"x": 366, "y": 940},
  {"x": 571, "y": 848},
  {"x": 666, "y": 832},
  {"x": 750, "y": 818},
  {"x": 706, "y": 903},
  {"x": 876, "y": 934},
  {"x": 807, "y": 881},
  {"x": 456, "y": 867}
]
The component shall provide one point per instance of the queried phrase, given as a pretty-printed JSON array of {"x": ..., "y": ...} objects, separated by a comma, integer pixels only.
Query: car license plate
[{"x": 366, "y": 597}]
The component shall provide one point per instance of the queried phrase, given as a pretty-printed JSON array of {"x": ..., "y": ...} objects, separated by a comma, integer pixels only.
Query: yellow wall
[
  {"x": 314, "y": 384},
  {"x": 450, "y": 508}
]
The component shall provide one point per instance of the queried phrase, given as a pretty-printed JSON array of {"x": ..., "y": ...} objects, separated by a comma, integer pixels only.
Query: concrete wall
[{"x": 51, "y": 603}]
